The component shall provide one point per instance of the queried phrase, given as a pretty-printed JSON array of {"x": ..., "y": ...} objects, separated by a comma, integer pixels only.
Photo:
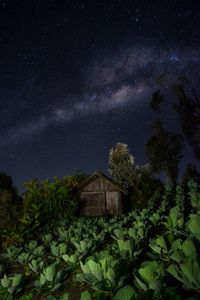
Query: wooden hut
[{"x": 101, "y": 195}]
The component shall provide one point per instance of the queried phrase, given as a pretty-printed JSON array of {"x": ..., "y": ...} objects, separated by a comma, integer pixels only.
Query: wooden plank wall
[{"x": 100, "y": 195}]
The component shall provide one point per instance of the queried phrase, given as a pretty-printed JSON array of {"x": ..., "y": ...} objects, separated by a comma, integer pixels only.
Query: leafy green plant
[
  {"x": 24, "y": 257},
  {"x": 86, "y": 296},
  {"x": 63, "y": 235},
  {"x": 58, "y": 249},
  {"x": 175, "y": 220},
  {"x": 36, "y": 265},
  {"x": 162, "y": 244},
  {"x": 125, "y": 293},
  {"x": 84, "y": 246},
  {"x": 155, "y": 218},
  {"x": 188, "y": 273},
  {"x": 50, "y": 278},
  {"x": 126, "y": 249},
  {"x": 28, "y": 296},
  {"x": 4, "y": 294},
  {"x": 183, "y": 250},
  {"x": 38, "y": 251},
  {"x": 119, "y": 233},
  {"x": 12, "y": 252},
  {"x": 72, "y": 259},
  {"x": 158, "y": 245},
  {"x": 139, "y": 230},
  {"x": 12, "y": 283},
  {"x": 194, "y": 194},
  {"x": 32, "y": 245},
  {"x": 47, "y": 238},
  {"x": 149, "y": 276},
  {"x": 193, "y": 226},
  {"x": 103, "y": 274}
]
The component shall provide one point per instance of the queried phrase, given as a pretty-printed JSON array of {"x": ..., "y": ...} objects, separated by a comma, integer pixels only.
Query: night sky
[{"x": 76, "y": 77}]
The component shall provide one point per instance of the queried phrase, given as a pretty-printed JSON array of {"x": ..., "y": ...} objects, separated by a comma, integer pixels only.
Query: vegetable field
[{"x": 150, "y": 253}]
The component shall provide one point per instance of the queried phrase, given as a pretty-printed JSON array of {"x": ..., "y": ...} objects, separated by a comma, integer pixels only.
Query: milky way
[{"x": 121, "y": 82}]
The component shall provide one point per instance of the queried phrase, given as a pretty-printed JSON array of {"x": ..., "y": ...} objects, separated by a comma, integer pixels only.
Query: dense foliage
[
  {"x": 46, "y": 203},
  {"x": 9, "y": 201},
  {"x": 136, "y": 179},
  {"x": 150, "y": 253}
]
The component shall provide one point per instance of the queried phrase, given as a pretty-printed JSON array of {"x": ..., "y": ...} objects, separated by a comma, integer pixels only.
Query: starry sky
[{"x": 76, "y": 77}]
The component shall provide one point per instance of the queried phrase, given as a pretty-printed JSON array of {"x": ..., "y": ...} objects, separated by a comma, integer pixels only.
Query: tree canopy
[{"x": 164, "y": 150}]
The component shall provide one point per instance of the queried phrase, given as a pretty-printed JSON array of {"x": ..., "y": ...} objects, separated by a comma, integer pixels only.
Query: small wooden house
[{"x": 101, "y": 195}]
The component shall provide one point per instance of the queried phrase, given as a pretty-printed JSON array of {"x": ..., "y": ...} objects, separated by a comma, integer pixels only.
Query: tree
[
  {"x": 6, "y": 208},
  {"x": 136, "y": 179},
  {"x": 121, "y": 164},
  {"x": 9, "y": 201},
  {"x": 190, "y": 173},
  {"x": 187, "y": 107},
  {"x": 164, "y": 150},
  {"x": 6, "y": 183}
]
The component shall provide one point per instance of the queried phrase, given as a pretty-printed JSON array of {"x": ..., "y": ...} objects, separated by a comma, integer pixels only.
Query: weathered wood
[
  {"x": 101, "y": 196},
  {"x": 112, "y": 202}
]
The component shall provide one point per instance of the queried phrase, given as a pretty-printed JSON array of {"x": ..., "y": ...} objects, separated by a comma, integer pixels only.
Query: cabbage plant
[
  {"x": 58, "y": 249},
  {"x": 12, "y": 283},
  {"x": 102, "y": 273},
  {"x": 149, "y": 276},
  {"x": 36, "y": 265},
  {"x": 49, "y": 278},
  {"x": 188, "y": 273}
]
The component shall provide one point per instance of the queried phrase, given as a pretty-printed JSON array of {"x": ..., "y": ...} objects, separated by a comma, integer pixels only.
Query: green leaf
[
  {"x": 86, "y": 296},
  {"x": 50, "y": 297},
  {"x": 42, "y": 280},
  {"x": 16, "y": 280},
  {"x": 173, "y": 270},
  {"x": 110, "y": 275},
  {"x": 50, "y": 272},
  {"x": 95, "y": 269},
  {"x": 125, "y": 293},
  {"x": 147, "y": 271},
  {"x": 194, "y": 225},
  {"x": 70, "y": 258},
  {"x": 56, "y": 286},
  {"x": 64, "y": 297},
  {"x": 189, "y": 248},
  {"x": 6, "y": 282},
  {"x": 32, "y": 244},
  {"x": 140, "y": 284},
  {"x": 132, "y": 233}
]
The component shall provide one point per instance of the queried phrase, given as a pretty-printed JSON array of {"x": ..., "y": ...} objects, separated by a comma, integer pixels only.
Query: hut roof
[{"x": 100, "y": 174}]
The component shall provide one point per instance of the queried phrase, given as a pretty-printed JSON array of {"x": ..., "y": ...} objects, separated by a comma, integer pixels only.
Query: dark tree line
[
  {"x": 10, "y": 202},
  {"x": 165, "y": 149}
]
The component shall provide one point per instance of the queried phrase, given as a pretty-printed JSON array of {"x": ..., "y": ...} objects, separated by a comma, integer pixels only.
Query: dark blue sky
[{"x": 76, "y": 77}]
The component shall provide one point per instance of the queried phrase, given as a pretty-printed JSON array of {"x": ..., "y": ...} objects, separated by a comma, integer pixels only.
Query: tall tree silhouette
[
  {"x": 9, "y": 200},
  {"x": 187, "y": 107},
  {"x": 164, "y": 150},
  {"x": 191, "y": 172}
]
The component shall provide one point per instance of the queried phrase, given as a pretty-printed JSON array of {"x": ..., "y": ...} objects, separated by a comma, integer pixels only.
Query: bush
[{"x": 47, "y": 203}]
